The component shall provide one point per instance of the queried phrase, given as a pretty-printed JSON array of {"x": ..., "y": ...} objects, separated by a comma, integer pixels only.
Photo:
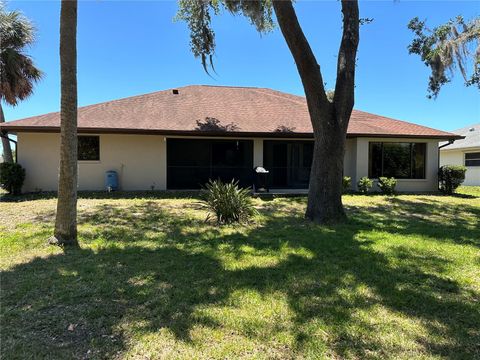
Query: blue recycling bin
[{"x": 111, "y": 180}]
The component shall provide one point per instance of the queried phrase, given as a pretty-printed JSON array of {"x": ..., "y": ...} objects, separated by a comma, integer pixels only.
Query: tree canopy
[
  {"x": 198, "y": 16},
  {"x": 448, "y": 47}
]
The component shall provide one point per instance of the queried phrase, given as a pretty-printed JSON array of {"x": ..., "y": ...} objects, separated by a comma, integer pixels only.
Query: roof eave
[{"x": 280, "y": 134}]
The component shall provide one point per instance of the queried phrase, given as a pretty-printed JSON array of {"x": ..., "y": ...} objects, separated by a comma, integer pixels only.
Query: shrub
[
  {"x": 450, "y": 177},
  {"x": 12, "y": 177},
  {"x": 364, "y": 184},
  {"x": 346, "y": 183},
  {"x": 228, "y": 202},
  {"x": 387, "y": 185}
]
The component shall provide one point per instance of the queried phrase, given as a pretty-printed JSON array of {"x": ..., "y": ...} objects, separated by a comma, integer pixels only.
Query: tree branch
[
  {"x": 345, "y": 86},
  {"x": 305, "y": 60}
]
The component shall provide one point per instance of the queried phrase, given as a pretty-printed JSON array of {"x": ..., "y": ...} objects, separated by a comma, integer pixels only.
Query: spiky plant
[{"x": 228, "y": 202}]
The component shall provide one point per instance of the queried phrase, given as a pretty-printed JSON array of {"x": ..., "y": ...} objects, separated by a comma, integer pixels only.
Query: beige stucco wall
[
  {"x": 430, "y": 183},
  {"x": 457, "y": 157},
  {"x": 141, "y": 162}
]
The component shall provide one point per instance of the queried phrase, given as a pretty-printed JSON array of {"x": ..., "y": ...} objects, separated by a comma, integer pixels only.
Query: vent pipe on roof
[{"x": 175, "y": 92}]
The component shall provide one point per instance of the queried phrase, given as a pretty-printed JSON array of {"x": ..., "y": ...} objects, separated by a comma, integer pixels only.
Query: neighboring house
[
  {"x": 178, "y": 139},
  {"x": 465, "y": 152}
]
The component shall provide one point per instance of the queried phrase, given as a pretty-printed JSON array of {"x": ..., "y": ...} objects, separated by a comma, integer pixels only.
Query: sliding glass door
[{"x": 289, "y": 163}]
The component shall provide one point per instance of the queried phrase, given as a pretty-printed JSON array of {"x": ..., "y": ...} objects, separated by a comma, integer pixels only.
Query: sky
[{"x": 128, "y": 48}]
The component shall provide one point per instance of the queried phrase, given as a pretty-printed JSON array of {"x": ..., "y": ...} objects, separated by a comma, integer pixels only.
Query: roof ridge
[
  {"x": 223, "y": 86},
  {"x": 100, "y": 103},
  {"x": 280, "y": 94}
]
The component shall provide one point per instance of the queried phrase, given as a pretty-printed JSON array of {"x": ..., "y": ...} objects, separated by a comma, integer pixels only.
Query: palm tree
[
  {"x": 17, "y": 71},
  {"x": 65, "y": 232}
]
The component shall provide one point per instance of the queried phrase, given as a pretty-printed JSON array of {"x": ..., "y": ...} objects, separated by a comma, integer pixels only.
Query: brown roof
[{"x": 200, "y": 109}]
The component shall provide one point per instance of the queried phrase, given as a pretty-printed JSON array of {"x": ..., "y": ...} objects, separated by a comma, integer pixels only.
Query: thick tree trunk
[
  {"x": 66, "y": 217},
  {"x": 325, "y": 189},
  {"x": 329, "y": 119},
  {"x": 7, "y": 150}
]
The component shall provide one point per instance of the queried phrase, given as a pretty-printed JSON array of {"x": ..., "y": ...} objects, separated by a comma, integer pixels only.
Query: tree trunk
[
  {"x": 66, "y": 217},
  {"x": 325, "y": 188},
  {"x": 329, "y": 119},
  {"x": 7, "y": 150}
]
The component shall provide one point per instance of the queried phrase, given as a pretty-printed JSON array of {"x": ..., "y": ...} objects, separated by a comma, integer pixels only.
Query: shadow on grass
[
  {"x": 154, "y": 194},
  {"x": 136, "y": 287}
]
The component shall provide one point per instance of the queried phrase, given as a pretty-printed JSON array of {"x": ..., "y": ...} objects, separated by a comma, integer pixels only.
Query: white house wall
[
  {"x": 457, "y": 157},
  {"x": 141, "y": 161}
]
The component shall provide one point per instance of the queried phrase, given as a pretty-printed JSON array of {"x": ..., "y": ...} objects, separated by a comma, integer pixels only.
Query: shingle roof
[
  {"x": 203, "y": 109},
  {"x": 472, "y": 138}
]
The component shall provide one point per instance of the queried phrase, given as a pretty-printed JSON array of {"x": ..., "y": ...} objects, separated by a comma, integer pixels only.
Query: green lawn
[{"x": 153, "y": 280}]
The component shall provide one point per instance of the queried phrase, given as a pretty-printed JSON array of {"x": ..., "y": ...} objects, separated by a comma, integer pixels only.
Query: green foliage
[
  {"x": 387, "y": 185},
  {"x": 197, "y": 15},
  {"x": 451, "y": 177},
  {"x": 346, "y": 183},
  {"x": 228, "y": 202},
  {"x": 364, "y": 184},
  {"x": 17, "y": 70},
  {"x": 445, "y": 48},
  {"x": 12, "y": 177}
]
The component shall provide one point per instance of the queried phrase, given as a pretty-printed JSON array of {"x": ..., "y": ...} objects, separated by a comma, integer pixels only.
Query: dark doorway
[
  {"x": 192, "y": 162},
  {"x": 289, "y": 163}
]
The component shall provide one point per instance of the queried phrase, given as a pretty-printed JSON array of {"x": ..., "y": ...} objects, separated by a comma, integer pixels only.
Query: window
[
  {"x": 472, "y": 159},
  {"x": 398, "y": 160},
  {"x": 88, "y": 148}
]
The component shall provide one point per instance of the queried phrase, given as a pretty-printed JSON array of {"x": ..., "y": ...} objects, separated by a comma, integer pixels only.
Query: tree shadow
[
  {"x": 100, "y": 195},
  {"x": 126, "y": 285},
  {"x": 210, "y": 124}
]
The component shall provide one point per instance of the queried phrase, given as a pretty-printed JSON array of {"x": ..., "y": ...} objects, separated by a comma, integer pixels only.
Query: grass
[{"x": 153, "y": 280}]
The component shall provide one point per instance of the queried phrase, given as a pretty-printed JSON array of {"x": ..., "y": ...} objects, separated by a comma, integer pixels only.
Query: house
[
  {"x": 464, "y": 152},
  {"x": 179, "y": 138}
]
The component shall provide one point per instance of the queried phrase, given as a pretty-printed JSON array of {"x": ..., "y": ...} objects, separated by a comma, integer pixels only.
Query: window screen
[
  {"x": 88, "y": 148},
  {"x": 472, "y": 159},
  {"x": 192, "y": 162}
]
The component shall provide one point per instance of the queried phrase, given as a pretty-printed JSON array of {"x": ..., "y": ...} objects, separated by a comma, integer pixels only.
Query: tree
[
  {"x": 447, "y": 47},
  {"x": 329, "y": 118},
  {"x": 65, "y": 232},
  {"x": 17, "y": 71}
]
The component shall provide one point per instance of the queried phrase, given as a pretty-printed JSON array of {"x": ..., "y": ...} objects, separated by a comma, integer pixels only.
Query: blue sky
[{"x": 128, "y": 48}]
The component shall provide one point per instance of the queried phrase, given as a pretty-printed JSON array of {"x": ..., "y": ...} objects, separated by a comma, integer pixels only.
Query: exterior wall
[
  {"x": 141, "y": 162},
  {"x": 257, "y": 152},
  {"x": 457, "y": 157},
  {"x": 350, "y": 160},
  {"x": 430, "y": 183},
  {"x": 39, "y": 155}
]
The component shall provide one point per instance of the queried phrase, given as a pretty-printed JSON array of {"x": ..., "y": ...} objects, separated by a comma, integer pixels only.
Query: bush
[
  {"x": 12, "y": 177},
  {"x": 387, "y": 185},
  {"x": 228, "y": 202},
  {"x": 450, "y": 177},
  {"x": 364, "y": 184},
  {"x": 346, "y": 183}
]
